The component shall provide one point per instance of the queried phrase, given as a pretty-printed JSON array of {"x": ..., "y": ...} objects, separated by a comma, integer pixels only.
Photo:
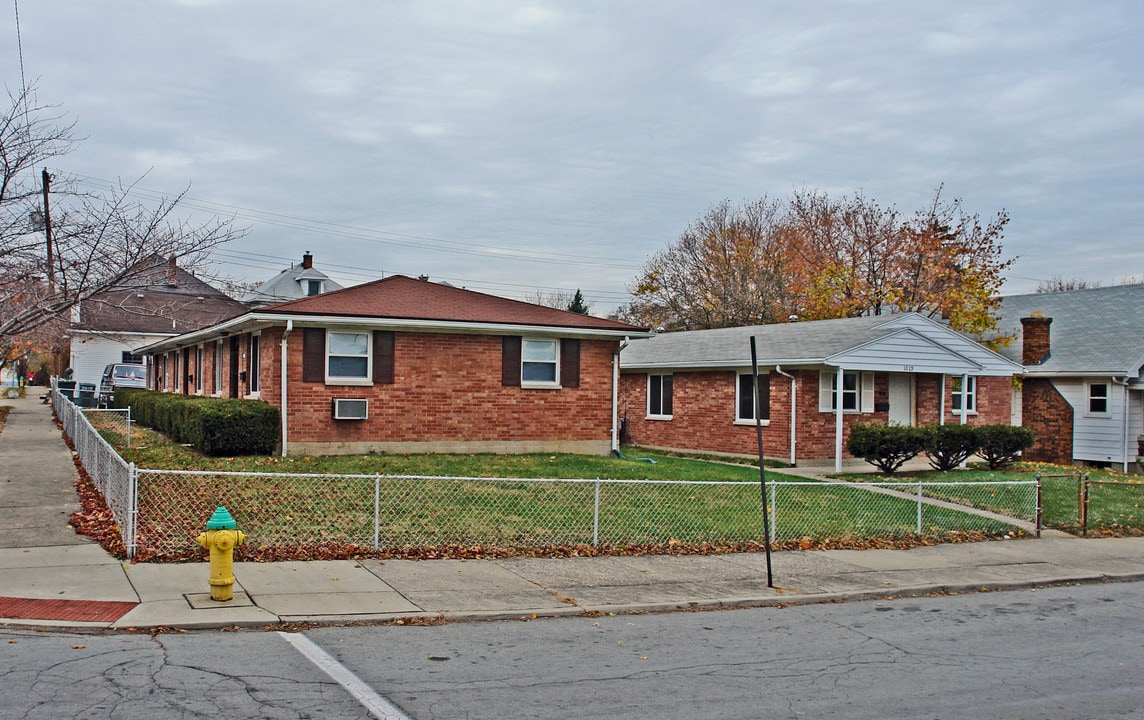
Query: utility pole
[{"x": 48, "y": 234}]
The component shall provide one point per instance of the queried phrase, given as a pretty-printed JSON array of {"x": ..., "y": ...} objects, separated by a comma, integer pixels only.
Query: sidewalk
[{"x": 76, "y": 584}]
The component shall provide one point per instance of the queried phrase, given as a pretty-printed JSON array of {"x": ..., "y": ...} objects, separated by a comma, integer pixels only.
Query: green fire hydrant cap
[{"x": 221, "y": 520}]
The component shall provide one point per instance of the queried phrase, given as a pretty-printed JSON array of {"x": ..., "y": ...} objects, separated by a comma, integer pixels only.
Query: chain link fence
[
  {"x": 161, "y": 512},
  {"x": 1112, "y": 505},
  {"x": 392, "y": 513},
  {"x": 108, "y": 472}
]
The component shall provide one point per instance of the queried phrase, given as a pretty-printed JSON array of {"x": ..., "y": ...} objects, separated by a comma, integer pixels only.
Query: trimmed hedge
[
  {"x": 885, "y": 446},
  {"x": 1003, "y": 444},
  {"x": 889, "y": 446},
  {"x": 214, "y": 426},
  {"x": 950, "y": 445}
]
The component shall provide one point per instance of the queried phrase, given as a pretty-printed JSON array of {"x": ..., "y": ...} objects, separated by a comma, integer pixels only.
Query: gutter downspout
[
  {"x": 283, "y": 352},
  {"x": 1127, "y": 409},
  {"x": 793, "y": 407},
  {"x": 616, "y": 394}
]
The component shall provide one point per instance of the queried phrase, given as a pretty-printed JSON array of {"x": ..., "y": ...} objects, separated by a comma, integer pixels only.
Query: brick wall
[
  {"x": 447, "y": 391},
  {"x": 704, "y": 413},
  {"x": 1045, "y": 411}
]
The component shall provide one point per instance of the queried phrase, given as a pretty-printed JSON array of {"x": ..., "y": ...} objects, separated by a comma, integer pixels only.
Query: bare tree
[
  {"x": 1058, "y": 283},
  {"x": 98, "y": 238}
]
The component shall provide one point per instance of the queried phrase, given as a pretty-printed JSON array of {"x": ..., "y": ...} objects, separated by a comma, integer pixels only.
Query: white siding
[
  {"x": 904, "y": 352},
  {"x": 91, "y": 353},
  {"x": 1097, "y": 438}
]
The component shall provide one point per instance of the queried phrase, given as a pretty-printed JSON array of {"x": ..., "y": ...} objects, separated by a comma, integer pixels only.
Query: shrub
[
  {"x": 1003, "y": 444},
  {"x": 885, "y": 446},
  {"x": 214, "y": 426},
  {"x": 950, "y": 445}
]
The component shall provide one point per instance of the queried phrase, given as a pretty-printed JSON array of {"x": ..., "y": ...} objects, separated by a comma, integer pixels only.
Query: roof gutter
[{"x": 255, "y": 319}]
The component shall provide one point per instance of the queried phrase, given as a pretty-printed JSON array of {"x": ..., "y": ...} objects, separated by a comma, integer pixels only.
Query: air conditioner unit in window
[{"x": 350, "y": 409}]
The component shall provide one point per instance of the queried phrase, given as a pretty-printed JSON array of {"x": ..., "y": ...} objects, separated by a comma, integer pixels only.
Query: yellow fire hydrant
[{"x": 220, "y": 538}]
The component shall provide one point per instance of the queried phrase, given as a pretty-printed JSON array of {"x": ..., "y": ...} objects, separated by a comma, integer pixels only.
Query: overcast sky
[{"x": 516, "y": 146}]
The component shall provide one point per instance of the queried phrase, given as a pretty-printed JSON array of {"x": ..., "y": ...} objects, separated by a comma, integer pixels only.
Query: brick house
[
  {"x": 695, "y": 390},
  {"x": 160, "y": 300},
  {"x": 403, "y": 365},
  {"x": 1082, "y": 393}
]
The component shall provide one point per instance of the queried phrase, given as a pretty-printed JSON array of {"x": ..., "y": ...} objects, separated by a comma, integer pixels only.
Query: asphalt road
[{"x": 1073, "y": 652}]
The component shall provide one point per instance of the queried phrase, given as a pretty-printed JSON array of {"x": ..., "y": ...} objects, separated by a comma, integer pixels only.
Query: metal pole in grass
[
  {"x": 762, "y": 465},
  {"x": 919, "y": 509}
]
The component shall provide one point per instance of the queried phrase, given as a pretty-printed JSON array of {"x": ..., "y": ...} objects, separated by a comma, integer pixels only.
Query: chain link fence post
[{"x": 596, "y": 516}]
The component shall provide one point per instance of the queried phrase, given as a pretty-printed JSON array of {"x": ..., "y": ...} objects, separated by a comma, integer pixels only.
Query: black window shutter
[
  {"x": 765, "y": 397},
  {"x": 510, "y": 361},
  {"x": 313, "y": 355},
  {"x": 569, "y": 363},
  {"x": 383, "y": 342}
]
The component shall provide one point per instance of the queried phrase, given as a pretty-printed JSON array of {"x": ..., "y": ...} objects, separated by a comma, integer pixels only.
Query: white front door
[{"x": 901, "y": 398}]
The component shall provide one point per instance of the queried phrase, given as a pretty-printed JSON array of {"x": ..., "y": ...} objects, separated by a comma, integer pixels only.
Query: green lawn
[{"x": 460, "y": 508}]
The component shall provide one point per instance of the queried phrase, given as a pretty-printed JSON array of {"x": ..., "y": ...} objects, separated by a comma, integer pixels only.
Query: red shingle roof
[{"x": 400, "y": 297}]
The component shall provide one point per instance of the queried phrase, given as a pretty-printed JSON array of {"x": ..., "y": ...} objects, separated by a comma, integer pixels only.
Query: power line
[{"x": 373, "y": 235}]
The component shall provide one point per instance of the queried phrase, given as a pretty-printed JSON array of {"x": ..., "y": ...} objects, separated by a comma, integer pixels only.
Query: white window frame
[
  {"x": 739, "y": 420},
  {"x": 956, "y": 394},
  {"x": 253, "y": 366},
  {"x": 309, "y": 284},
  {"x": 1089, "y": 397},
  {"x": 361, "y": 380},
  {"x": 554, "y": 344},
  {"x": 863, "y": 391},
  {"x": 660, "y": 415}
]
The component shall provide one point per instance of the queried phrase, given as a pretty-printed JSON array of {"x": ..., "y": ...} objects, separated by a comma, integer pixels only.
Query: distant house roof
[
  {"x": 160, "y": 298},
  {"x": 290, "y": 284},
  {"x": 1099, "y": 331},
  {"x": 887, "y": 343},
  {"x": 400, "y": 302}
]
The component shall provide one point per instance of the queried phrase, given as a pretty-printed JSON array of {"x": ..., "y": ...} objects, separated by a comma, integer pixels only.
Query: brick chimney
[
  {"x": 1035, "y": 338},
  {"x": 307, "y": 260},
  {"x": 172, "y": 274}
]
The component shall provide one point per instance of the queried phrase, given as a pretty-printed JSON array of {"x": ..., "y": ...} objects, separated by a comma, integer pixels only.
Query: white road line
[{"x": 378, "y": 706}]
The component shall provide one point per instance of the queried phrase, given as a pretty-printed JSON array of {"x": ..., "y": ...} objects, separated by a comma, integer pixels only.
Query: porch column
[
  {"x": 838, "y": 422},
  {"x": 941, "y": 401},
  {"x": 964, "y": 397}
]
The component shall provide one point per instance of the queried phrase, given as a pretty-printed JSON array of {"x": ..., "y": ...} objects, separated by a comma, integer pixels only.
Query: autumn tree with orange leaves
[{"x": 817, "y": 257}]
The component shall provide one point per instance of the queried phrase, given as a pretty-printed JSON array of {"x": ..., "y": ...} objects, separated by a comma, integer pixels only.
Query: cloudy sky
[{"x": 516, "y": 146}]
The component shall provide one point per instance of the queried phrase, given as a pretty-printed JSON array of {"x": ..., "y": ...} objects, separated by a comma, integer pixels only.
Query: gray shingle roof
[
  {"x": 805, "y": 343},
  {"x": 1096, "y": 331}
]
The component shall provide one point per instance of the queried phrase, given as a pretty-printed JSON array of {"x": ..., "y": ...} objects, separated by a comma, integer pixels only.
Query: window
[
  {"x": 970, "y": 395},
  {"x": 539, "y": 360},
  {"x": 313, "y": 287},
  {"x": 659, "y": 396},
  {"x": 1098, "y": 398},
  {"x": 255, "y": 351},
  {"x": 347, "y": 356},
  {"x": 129, "y": 357},
  {"x": 857, "y": 391},
  {"x": 745, "y": 397}
]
